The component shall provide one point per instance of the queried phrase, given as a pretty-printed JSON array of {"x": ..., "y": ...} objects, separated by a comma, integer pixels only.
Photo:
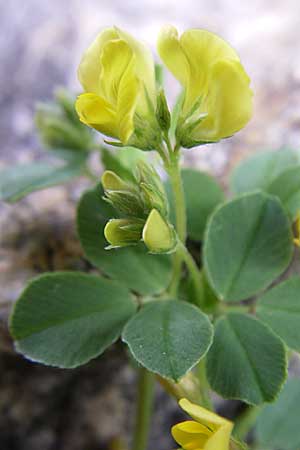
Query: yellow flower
[
  {"x": 208, "y": 432},
  {"x": 117, "y": 75},
  {"x": 217, "y": 97}
]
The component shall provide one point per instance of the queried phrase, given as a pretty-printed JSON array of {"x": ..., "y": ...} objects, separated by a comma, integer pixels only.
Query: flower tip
[{"x": 111, "y": 181}]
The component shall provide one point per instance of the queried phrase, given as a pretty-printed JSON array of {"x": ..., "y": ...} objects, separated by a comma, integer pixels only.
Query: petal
[
  {"x": 229, "y": 103},
  {"x": 172, "y": 54},
  {"x": 96, "y": 112},
  {"x": 203, "y": 49},
  {"x": 203, "y": 416},
  {"x": 129, "y": 94},
  {"x": 190, "y": 435},
  {"x": 115, "y": 57},
  {"x": 119, "y": 84},
  {"x": 89, "y": 67},
  {"x": 220, "y": 439},
  {"x": 191, "y": 57},
  {"x": 144, "y": 62}
]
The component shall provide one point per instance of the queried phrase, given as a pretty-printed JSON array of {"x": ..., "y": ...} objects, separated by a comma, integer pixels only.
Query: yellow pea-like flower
[
  {"x": 207, "y": 431},
  {"x": 118, "y": 77},
  {"x": 217, "y": 97}
]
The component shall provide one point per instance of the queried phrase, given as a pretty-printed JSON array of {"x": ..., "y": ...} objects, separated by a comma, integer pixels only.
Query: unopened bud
[
  {"x": 122, "y": 195},
  {"x": 111, "y": 181},
  {"x": 158, "y": 235},
  {"x": 123, "y": 232},
  {"x": 58, "y": 126},
  {"x": 152, "y": 188}
]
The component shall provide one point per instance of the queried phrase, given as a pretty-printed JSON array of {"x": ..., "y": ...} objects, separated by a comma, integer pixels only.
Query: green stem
[
  {"x": 144, "y": 409},
  {"x": 204, "y": 385},
  {"x": 194, "y": 271},
  {"x": 245, "y": 422},
  {"x": 173, "y": 170}
]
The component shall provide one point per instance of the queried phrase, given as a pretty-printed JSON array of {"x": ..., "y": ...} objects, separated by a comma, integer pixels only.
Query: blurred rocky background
[{"x": 40, "y": 46}]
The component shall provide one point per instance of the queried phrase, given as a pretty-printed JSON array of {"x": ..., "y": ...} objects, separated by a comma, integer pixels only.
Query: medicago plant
[{"x": 197, "y": 321}]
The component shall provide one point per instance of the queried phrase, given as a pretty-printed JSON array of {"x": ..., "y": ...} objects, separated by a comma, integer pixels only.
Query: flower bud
[
  {"x": 152, "y": 189},
  {"x": 122, "y": 195},
  {"x": 158, "y": 235},
  {"x": 59, "y": 126},
  {"x": 111, "y": 181},
  {"x": 123, "y": 232}
]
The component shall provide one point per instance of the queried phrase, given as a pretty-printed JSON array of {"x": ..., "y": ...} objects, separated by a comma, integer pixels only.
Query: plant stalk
[
  {"x": 193, "y": 269},
  {"x": 173, "y": 170},
  {"x": 146, "y": 381},
  {"x": 204, "y": 385},
  {"x": 245, "y": 422}
]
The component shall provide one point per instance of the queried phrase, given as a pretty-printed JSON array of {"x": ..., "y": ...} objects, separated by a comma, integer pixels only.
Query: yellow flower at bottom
[{"x": 208, "y": 431}]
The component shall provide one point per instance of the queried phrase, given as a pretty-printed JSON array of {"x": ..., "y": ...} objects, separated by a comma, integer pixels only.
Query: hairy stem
[
  {"x": 173, "y": 170},
  {"x": 146, "y": 382},
  {"x": 193, "y": 270},
  {"x": 204, "y": 386},
  {"x": 245, "y": 422}
]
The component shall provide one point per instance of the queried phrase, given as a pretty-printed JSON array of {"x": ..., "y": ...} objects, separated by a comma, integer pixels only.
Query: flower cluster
[
  {"x": 120, "y": 100},
  {"x": 143, "y": 209}
]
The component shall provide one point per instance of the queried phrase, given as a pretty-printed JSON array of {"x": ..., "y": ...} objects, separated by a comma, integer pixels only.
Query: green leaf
[
  {"x": 65, "y": 319},
  {"x": 278, "y": 424},
  {"x": 18, "y": 181},
  {"x": 123, "y": 162},
  {"x": 280, "y": 309},
  {"x": 132, "y": 266},
  {"x": 202, "y": 195},
  {"x": 247, "y": 361},
  {"x": 168, "y": 337},
  {"x": 258, "y": 171},
  {"x": 248, "y": 244},
  {"x": 287, "y": 187}
]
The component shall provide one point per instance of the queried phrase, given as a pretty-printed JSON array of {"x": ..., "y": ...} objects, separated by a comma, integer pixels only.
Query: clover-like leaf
[
  {"x": 248, "y": 244},
  {"x": 287, "y": 187},
  {"x": 247, "y": 361},
  {"x": 64, "y": 319},
  {"x": 168, "y": 337},
  {"x": 18, "y": 181},
  {"x": 259, "y": 170},
  {"x": 280, "y": 309},
  {"x": 278, "y": 424}
]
